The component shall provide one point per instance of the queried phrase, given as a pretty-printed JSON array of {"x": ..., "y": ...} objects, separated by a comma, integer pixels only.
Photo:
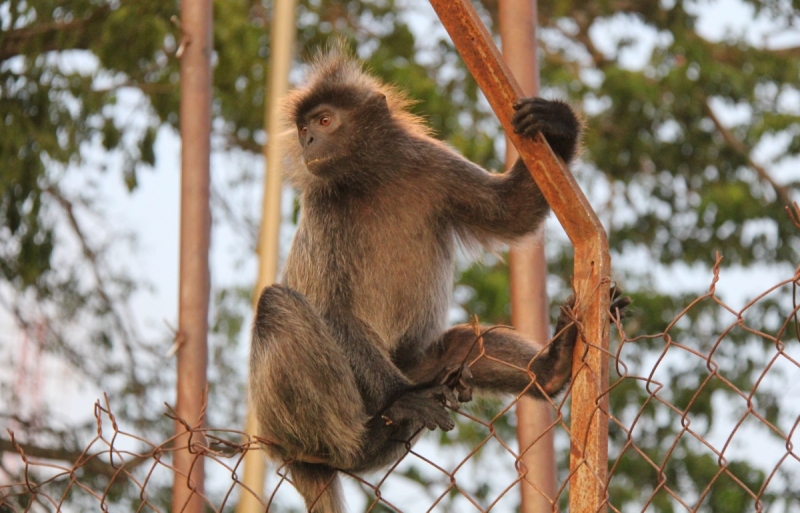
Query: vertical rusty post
[
  {"x": 192, "y": 355},
  {"x": 282, "y": 41},
  {"x": 589, "y": 429},
  {"x": 530, "y": 312}
]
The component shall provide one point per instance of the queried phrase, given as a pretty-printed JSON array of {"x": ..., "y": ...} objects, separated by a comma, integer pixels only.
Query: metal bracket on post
[{"x": 589, "y": 414}]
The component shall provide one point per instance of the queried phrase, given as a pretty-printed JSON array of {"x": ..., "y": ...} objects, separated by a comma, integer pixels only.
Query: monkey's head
[
  {"x": 345, "y": 119},
  {"x": 333, "y": 130}
]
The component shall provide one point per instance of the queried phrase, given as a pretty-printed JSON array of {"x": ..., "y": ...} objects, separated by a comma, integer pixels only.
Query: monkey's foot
[
  {"x": 425, "y": 407},
  {"x": 619, "y": 303},
  {"x": 459, "y": 379},
  {"x": 566, "y": 331}
]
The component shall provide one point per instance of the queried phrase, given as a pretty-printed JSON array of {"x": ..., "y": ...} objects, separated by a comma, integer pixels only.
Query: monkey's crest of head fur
[{"x": 336, "y": 76}]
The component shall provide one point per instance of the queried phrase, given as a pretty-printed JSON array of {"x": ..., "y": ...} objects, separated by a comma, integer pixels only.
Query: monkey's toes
[
  {"x": 619, "y": 303},
  {"x": 425, "y": 407},
  {"x": 459, "y": 379},
  {"x": 445, "y": 394},
  {"x": 464, "y": 385}
]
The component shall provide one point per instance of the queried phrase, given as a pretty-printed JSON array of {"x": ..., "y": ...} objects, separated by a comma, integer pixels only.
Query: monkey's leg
[
  {"x": 320, "y": 487},
  {"x": 504, "y": 361},
  {"x": 302, "y": 387},
  {"x": 499, "y": 360}
]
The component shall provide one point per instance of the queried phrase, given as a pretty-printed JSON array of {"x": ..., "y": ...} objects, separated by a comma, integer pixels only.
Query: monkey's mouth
[
  {"x": 318, "y": 161},
  {"x": 317, "y": 166}
]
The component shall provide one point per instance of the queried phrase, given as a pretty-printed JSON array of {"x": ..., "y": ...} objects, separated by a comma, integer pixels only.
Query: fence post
[
  {"x": 530, "y": 309},
  {"x": 589, "y": 429},
  {"x": 192, "y": 337}
]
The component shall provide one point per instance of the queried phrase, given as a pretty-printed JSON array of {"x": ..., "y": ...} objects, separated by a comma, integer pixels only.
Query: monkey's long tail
[{"x": 320, "y": 486}]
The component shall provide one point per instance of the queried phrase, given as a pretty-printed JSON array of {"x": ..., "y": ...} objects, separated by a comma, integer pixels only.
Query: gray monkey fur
[{"x": 351, "y": 355}]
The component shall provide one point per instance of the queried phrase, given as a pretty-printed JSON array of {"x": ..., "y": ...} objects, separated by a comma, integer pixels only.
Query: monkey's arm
[
  {"x": 491, "y": 207},
  {"x": 510, "y": 205}
]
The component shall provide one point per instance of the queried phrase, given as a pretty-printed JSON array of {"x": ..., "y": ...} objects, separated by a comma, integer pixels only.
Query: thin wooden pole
[
  {"x": 528, "y": 278},
  {"x": 192, "y": 354},
  {"x": 282, "y": 35},
  {"x": 589, "y": 413}
]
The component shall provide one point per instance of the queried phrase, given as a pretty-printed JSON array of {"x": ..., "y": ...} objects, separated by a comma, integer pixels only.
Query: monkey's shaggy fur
[{"x": 351, "y": 354}]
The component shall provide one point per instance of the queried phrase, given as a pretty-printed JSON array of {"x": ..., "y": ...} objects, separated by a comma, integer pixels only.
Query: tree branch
[
  {"x": 584, "y": 22},
  {"x": 76, "y": 458},
  {"x": 102, "y": 289},
  {"x": 53, "y": 36},
  {"x": 742, "y": 149}
]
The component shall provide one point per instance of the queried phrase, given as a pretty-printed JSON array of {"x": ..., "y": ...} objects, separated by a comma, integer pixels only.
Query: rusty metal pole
[
  {"x": 589, "y": 414},
  {"x": 528, "y": 278},
  {"x": 282, "y": 36},
  {"x": 192, "y": 354}
]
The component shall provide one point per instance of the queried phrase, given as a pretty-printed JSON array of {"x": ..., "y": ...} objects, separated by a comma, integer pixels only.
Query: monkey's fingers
[
  {"x": 553, "y": 118},
  {"x": 527, "y": 102},
  {"x": 526, "y": 118}
]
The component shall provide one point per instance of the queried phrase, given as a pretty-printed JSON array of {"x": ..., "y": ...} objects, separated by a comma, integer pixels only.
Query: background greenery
[{"x": 691, "y": 148}]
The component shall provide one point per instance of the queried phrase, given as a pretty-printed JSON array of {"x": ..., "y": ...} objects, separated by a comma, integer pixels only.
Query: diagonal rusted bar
[{"x": 589, "y": 419}]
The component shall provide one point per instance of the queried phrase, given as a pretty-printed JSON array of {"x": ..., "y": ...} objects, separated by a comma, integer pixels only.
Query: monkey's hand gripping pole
[{"x": 589, "y": 414}]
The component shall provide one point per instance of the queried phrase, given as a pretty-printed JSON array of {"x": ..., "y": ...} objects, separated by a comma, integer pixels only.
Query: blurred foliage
[{"x": 673, "y": 183}]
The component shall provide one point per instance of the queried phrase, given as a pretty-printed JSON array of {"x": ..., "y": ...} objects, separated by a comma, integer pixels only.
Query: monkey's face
[{"x": 323, "y": 133}]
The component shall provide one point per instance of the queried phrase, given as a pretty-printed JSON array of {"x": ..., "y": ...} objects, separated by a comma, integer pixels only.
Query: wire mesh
[{"x": 662, "y": 445}]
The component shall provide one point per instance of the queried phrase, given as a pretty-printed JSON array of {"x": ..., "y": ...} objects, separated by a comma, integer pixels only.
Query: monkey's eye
[
  {"x": 325, "y": 120},
  {"x": 303, "y": 130}
]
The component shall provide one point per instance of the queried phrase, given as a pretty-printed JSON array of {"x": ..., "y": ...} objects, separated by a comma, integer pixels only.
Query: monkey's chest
[
  {"x": 402, "y": 282},
  {"x": 392, "y": 271}
]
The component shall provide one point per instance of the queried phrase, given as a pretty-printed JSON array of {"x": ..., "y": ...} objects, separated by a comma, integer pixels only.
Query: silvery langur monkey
[{"x": 351, "y": 355}]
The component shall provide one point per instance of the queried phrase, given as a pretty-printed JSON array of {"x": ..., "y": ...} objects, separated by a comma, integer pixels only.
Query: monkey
[{"x": 351, "y": 355}]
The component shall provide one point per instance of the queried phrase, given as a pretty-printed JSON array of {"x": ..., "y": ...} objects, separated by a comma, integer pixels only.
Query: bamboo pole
[
  {"x": 282, "y": 34},
  {"x": 192, "y": 337},
  {"x": 589, "y": 413},
  {"x": 528, "y": 279}
]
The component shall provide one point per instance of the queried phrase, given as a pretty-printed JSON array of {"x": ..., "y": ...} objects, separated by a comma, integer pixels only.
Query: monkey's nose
[{"x": 310, "y": 140}]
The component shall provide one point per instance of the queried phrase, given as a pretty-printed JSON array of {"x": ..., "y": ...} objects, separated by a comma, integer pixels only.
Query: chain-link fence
[
  {"x": 744, "y": 451},
  {"x": 667, "y": 451}
]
